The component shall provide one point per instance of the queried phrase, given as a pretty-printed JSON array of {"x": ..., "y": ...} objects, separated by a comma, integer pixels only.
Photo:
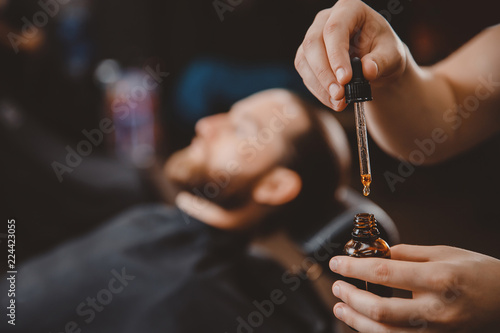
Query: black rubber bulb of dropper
[
  {"x": 357, "y": 70},
  {"x": 358, "y": 89}
]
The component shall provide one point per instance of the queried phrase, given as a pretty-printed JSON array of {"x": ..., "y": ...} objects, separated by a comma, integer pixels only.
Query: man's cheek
[
  {"x": 224, "y": 164},
  {"x": 246, "y": 151},
  {"x": 221, "y": 155}
]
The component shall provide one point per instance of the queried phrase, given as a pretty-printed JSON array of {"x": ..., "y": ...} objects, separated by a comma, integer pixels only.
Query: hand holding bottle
[
  {"x": 454, "y": 290},
  {"x": 323, "y": 59}
]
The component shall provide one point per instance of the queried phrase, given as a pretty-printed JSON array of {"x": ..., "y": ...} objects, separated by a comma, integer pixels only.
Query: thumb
[{"x": 386, "y": 60}]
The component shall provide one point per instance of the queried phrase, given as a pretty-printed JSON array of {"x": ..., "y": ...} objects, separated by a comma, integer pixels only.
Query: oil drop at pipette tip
[
  {"x": 366, "y": 180},
  {"x": 366, "y": 191}
]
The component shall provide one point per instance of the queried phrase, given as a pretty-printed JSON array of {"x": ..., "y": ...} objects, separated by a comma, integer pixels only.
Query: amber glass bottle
[{"x": 366, "y": 242}]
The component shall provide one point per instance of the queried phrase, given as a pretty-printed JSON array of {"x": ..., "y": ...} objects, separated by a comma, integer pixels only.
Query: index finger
[
  {"x": 392, "y": 273},
  {"x": 344, "y": 18},
  {"x": 421, "y": 253}
]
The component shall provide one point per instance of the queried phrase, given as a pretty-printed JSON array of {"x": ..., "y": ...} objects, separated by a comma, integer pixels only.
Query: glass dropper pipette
[{"x": 358, "y": 91}]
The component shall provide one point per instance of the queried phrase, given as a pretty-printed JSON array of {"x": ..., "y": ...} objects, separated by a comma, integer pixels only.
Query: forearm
[
  {"x": 409, "y": 110},
  {"x": 451, "y": 106},
  {"x": 453, "y": 103}
]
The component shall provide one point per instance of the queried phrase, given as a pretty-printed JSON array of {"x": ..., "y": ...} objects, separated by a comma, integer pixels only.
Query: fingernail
[
  {"x": 339, "y": 312},
  {"x": 336, "y": 290},
  {"x": 340, "y": 73},
  {"x": 336, "y": 104},
  {"x": 376, "y": 67},
  {"x": 333, "y": 264},
  {"x": 334, "y": 89}
]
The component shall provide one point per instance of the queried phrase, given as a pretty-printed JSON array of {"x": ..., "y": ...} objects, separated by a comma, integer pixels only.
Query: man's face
[{"x": 232, "y": 151}]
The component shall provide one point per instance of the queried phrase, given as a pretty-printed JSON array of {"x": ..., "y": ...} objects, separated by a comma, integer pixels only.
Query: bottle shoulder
[{"x": 369, "y": 248}]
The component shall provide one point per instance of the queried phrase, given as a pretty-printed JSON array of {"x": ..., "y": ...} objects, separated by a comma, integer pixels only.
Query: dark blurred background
[{"x": 64, "y": 82}]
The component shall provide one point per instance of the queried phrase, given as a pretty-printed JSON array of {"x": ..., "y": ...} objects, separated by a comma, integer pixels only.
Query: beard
[
  {"x": 184, "y": 171},
  {"x": 189, "y": 173}
]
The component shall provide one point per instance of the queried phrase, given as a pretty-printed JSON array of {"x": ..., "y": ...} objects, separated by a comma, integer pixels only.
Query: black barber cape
[{"x": 155, "y": 269}]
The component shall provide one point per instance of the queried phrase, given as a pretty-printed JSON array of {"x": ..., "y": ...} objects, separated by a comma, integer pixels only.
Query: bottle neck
[{"x": 365, "y": 227}]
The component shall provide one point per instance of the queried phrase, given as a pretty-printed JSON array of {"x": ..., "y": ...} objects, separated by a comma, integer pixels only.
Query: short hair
[{"x": 319, "y": 165}]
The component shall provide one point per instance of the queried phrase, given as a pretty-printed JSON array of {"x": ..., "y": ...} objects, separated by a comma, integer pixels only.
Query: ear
[{"x": 278, "y": 187}]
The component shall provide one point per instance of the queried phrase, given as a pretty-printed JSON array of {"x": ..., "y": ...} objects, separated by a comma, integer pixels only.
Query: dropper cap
[{"x": 358, "y": 89}]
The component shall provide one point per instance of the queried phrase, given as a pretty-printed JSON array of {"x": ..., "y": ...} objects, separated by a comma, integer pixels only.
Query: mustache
[{"x": 183, "y": 170}]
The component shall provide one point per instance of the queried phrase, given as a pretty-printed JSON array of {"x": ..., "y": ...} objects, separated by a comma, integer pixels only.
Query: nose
[{"x": 208, "y": 127}]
